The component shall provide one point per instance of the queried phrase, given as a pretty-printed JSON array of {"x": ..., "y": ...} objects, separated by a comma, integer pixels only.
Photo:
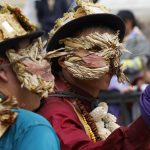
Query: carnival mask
[
  {"x": 85, "y": 56},
  {"x": 32, "y": 69}
]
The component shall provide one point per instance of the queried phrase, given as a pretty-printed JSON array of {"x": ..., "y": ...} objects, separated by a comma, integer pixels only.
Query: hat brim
[
  {"x": 10, "y": 43},
  {"x": 107, "y": 20}
]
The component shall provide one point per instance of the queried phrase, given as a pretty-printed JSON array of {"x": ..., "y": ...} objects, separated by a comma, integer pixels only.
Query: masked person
[
  {"x": 89, "y": 37},
  {"x": 24, "y": 75}
]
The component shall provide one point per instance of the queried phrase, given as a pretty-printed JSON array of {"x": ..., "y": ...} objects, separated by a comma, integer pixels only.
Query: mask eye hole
[{"x": 95, "y": 49}]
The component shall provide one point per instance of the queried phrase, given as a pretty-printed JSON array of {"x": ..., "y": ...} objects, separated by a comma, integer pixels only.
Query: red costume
[{"x": 72, "y": 135}]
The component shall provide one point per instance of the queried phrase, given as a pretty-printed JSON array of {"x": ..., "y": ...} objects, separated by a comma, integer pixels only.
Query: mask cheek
[{"x": 94, "y": 61}]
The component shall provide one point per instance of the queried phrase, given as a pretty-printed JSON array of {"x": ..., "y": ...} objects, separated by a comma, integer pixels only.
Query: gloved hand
[{"x": 145, "y": 105}]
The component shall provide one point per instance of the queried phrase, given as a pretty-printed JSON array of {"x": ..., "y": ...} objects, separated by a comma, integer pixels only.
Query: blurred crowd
[
  {"x": 136, "y": 62},
  {"x": 44, "y": 12}
]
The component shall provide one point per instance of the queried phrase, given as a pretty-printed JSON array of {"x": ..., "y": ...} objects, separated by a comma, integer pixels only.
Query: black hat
[
  {"x": 107, "y": 20},
  {"x": 15, "y": 27},
  {"x": 69, "y": 24}
]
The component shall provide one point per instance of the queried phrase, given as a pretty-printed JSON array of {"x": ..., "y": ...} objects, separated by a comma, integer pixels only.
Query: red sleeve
[{"x": 73, "y": 137}]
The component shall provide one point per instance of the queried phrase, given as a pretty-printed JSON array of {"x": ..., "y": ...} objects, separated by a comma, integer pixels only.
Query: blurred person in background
[
  {"x": 43, "y": 13},
  {"x": 134, "y": 62},
  {"x": 31, "y": 12},
  {"x": 116, "y": 88},
  {"x": 135, "y": 41},
  {"x": 139, "y": 83},
  {"x": 142, "y": 79},
  {"x": 50, "y": 10}
]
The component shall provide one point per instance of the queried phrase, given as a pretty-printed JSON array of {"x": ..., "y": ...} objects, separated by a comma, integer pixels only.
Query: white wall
[
  {"x": 141, "y": 8},
  {"x": 19, "y": 3}
]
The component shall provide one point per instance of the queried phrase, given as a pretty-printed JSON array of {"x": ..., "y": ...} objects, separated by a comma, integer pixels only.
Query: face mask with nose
[
  {"x": 92, "y": 56},
  {"x": 32, "y": 69}
]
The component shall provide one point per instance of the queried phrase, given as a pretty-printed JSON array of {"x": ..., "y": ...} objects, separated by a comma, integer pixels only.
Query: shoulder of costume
[{"x": 28, "y": 119}]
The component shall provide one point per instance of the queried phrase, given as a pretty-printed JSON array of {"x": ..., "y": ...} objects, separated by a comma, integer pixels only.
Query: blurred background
[
  {"x": 19, "y": 3},
  {"x": 122, "y": 98},
  {"x": 139, "y": 7}
]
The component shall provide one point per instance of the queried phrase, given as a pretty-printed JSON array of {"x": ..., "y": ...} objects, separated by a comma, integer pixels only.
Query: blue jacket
[{"x": 29, "y": 132}]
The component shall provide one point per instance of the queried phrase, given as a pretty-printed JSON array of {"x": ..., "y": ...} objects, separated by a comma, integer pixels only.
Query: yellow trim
[{"x": 87, "y": 128}]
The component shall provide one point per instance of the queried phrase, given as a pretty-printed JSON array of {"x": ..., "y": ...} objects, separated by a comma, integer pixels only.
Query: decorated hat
[
  {"x": 30, "y": 63},
  {"x": 86, "y": 14},
  {"x": 15, "y": 27}
]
